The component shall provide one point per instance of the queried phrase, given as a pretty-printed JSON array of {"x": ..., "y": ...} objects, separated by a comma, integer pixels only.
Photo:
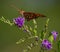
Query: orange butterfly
[{"x": 29, "y": 15}]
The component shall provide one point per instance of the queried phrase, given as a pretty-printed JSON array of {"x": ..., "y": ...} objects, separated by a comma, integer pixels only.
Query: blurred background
[{"x": 10, "y": 34}]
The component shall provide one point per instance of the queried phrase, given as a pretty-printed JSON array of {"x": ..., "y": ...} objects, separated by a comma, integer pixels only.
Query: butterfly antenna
[{"x": 15, "y": 7}]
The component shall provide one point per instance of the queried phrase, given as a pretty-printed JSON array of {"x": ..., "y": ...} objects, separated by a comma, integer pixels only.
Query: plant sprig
[{"x": 6, "y": 21}]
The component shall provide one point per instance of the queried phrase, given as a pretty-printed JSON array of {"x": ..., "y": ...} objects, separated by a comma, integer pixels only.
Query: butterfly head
[{"x": 21, "y": 12}]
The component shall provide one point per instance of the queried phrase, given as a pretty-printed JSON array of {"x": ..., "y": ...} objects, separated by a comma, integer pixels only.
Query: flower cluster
[
  {"x": 54, "y": 33},
  {"x": 19, "y": 21},
  {"x": 46, "y": 43}
]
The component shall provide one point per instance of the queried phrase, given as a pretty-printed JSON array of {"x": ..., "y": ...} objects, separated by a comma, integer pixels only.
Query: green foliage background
[{"x": 10, "y": 34}]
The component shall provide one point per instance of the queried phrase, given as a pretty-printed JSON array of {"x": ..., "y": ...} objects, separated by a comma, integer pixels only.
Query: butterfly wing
[
  {"x": 31, "y": 15},
  {"x": 28, "y": 15}
]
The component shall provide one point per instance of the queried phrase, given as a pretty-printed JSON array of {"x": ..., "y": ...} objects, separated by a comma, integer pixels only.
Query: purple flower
[
  {"x": 54, "y": 33},
  {"x": 46, "y": 44},
  {"x": 19, "y": 21}
]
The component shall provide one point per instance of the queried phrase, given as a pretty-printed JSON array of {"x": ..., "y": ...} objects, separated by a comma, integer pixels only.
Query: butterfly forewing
[{"x": 31, "y": 15}]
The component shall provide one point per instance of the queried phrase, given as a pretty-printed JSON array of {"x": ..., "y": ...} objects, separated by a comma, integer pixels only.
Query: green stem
[{"x": 46, "y": 28}]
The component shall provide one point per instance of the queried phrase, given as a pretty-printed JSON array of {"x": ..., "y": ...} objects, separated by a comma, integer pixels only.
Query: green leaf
[
  {"x": 51, "y": 39},
  {"x": 20, "y": 41},
  {"x": 29, "y": 47},
  {"x": 31, "y": 29},
  {"x": 34, "y": 21},
  {"x": 35, "y": 26},
  {"x": 47, "y": 21},
  {"x": 25, "y": 50},
  {"x": 35, "y": 32}
]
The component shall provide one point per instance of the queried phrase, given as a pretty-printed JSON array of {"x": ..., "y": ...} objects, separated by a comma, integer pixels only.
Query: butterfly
[{"x": 29, "y": 15}]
